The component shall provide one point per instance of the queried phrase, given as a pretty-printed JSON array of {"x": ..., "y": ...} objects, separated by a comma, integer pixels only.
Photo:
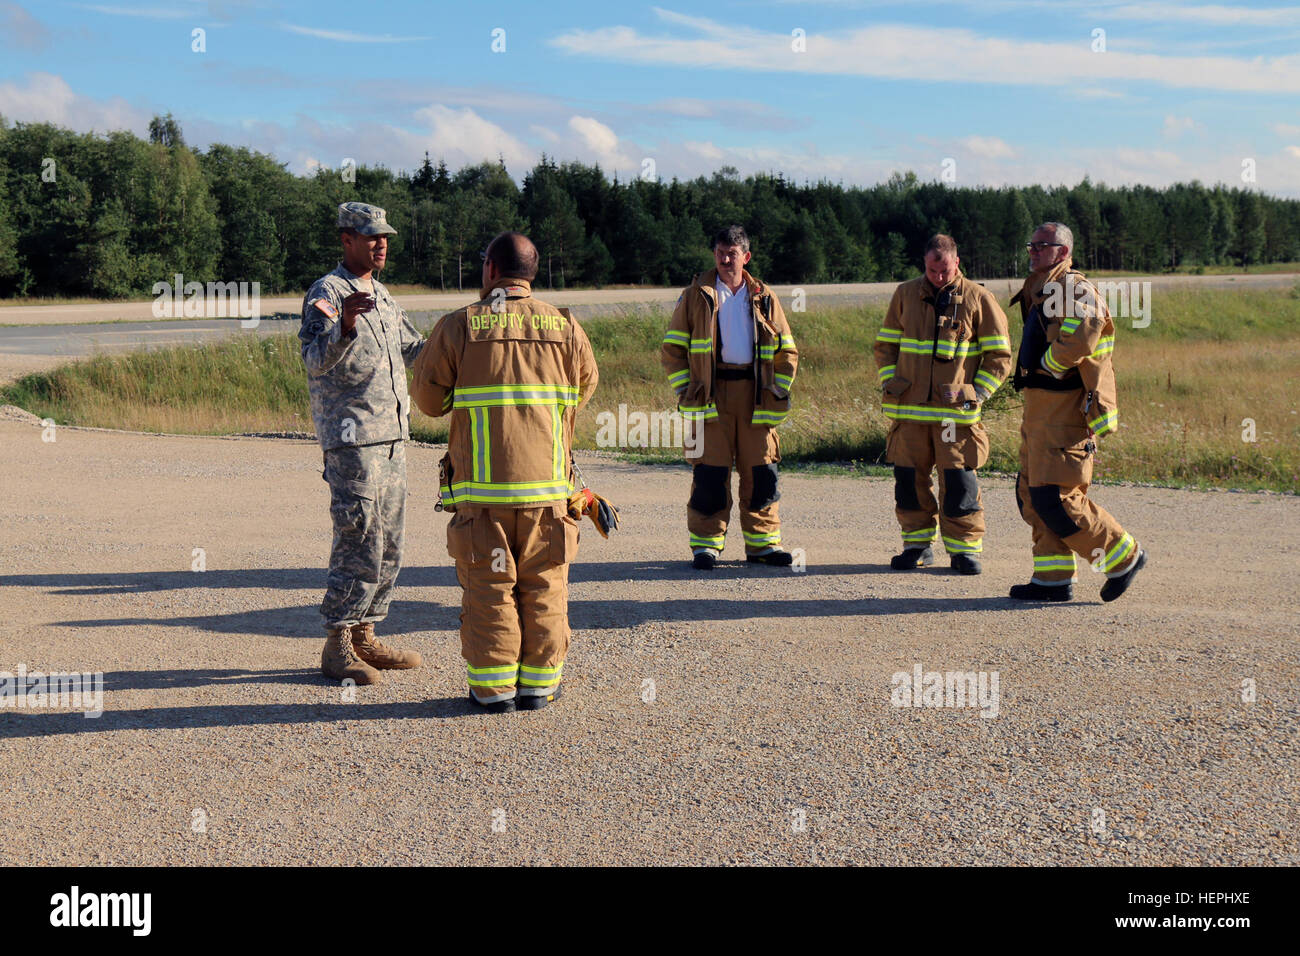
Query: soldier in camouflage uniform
[{"x": 357, "y": 344}]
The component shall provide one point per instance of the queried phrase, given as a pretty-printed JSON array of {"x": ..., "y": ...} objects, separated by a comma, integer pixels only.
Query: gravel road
[{"x": 742, "y": 716}]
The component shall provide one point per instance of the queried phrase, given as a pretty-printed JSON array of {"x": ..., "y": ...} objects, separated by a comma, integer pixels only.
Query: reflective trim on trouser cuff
[
  {"x": 1050, "y": 584},
  {"x": 538, "y": 691},
  {"x": 1054, "y": 562},
  {"x": 1120, "y": 554},
  {"x": 924, "y": 536},
  {"x": 703, "y": 541},
  {"x": 761, "y": 540},
  {"x": 508, "y": 695},
  {"x": 954, "y": 546},
  {"x": 495, "y": 675},
  {"x": 539, "y": 676}
]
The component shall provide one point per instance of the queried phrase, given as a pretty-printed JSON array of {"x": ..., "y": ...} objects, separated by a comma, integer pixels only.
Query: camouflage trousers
[{"x": 368, "y": 507}]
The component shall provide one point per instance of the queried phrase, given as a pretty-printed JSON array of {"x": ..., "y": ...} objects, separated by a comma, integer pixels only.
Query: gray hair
[
  {"x": 731, "y": 236},
  {"x": 1061, "y": 232}
]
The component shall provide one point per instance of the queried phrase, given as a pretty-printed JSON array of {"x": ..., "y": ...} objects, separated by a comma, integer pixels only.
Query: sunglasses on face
[{"x": 1040, "y": 246}]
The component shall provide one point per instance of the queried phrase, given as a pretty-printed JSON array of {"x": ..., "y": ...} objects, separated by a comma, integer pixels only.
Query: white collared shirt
[{"x": 735, "y": 324}]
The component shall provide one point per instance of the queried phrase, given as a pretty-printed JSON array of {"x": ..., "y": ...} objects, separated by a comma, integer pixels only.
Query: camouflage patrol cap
[{"x": 364, "y": 218}]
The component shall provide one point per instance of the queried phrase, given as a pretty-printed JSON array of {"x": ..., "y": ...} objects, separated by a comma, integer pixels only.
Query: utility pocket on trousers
[
  {"x": 460, "y": 540},
  {"x": 897, "y": 386},
  {"x": 564, "y": 539},
  {"x": 350, "y": 505},
  {"x": 1067, "y": 458}
]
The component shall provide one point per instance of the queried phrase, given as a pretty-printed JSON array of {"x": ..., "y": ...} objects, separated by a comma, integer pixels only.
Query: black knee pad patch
[
  {"x": 710, "y": 494},
  {"x": 1046, "y": 500},
  {"x": 905, "y": 489},
  {"x": 961, "y": 492},
  {"x": 765, "y": 490}
]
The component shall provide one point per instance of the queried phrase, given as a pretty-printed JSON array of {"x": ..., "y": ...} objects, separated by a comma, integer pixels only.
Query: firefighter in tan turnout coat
[
  {"x": 1064, "y": 369},
  {"x": 942, "y": 350},
  {"x": 512, "y": 371},
  {"x": 731, "y": 358}
]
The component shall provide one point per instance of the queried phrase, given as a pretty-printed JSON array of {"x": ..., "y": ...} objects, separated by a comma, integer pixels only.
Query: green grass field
[{"x": 1213, "y": 366}]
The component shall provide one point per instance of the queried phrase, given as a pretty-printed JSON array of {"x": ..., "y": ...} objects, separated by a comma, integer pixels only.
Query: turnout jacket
[
  {"x": 691, "y": 346},
  {"x": 940, "y": 353},
  {"x": 357, "y": 382},
  {"x": 1068, "y": 341},
  {"x": 513, "y": 371}
]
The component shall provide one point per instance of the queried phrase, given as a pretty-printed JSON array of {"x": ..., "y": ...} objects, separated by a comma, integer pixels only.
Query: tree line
[{"x": 84, "y": 214}]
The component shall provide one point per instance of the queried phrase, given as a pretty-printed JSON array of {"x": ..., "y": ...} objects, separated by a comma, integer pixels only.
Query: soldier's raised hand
[{"x": 354, "y": 305}]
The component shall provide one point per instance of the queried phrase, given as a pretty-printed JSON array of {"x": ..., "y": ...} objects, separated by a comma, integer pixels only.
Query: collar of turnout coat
[
  {"x": 1032, "y": 290},
  {"x": 707, "y": 280},
  {"x": 515, "y": 287}
]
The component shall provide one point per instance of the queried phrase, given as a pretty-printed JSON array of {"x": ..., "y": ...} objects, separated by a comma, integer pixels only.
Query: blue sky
[{"x": 1011, "y": 91}]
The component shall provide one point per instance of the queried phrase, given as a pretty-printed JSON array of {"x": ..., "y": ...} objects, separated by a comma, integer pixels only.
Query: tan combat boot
[
  {"x": 339, "y": 661},
  {"x": 378, "y": 654}
]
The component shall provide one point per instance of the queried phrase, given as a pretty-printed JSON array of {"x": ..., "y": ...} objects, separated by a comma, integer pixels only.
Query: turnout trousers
[
  {"x": 915, "y": 449},
  {"x": 754, "y": 450},
  {"x": 368, "y": 510},
  {"x": 1056, "y": 459},
  {"x": 513, "y": 568}
]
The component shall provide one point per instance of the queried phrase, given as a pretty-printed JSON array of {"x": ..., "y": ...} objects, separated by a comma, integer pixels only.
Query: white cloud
[
  {"x": 348, "y": 36},
  {"x": 989, "y": 147},
  {"x": 462, "y": 136},
  {"x": 19, "y": 26},
  {"x": 1294, "y": 151},
  {"x": 1285, "y": 129},
  {"x": 1176, "y": 126},
  {"x": 1213, "y": 14},
  {"x": 599, "y": 142},
  {"x": 47, "y": 98},
  {"x": 906, "y": 52}
]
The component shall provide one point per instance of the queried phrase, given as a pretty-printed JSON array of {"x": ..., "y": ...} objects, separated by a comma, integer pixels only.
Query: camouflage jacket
[{"x": 357, "y": 382}]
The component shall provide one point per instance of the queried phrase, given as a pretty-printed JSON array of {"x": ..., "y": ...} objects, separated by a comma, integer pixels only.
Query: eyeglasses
[{"x": 1040, "y": 246}]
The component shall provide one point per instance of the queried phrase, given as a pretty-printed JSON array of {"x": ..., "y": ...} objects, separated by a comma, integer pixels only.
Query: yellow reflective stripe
[
  {"x": 673, "y": 337},
  {"x": 1105, "y": 424},
  {"x": 679, "y": 378},
  {"x": 480, "y": 444},
  {"x": 1118, "y": 554},
  {"x": 530, "y": 676},
  {"x": 496, "y": 675},
  {"x": 785, "y": 381},
  {"x": 557, "y": 443},
  {"x": 887, "y": 372},
  {"x": 486, "y": 396},
  {"x": 990, "y": 342},
  {"x": 924, "y": 536},
  {"x": 701, "y": 345},
  {"x": 787, "y": 341},
  {"x": 1054, "y": 562},
  {"x": 1105, "y": 345},
  {"x": 446, "y": 402},
  {"x": 705, "y": 412},
  {"x": 704, "y": 541},
  {"x": 954, "y": 546},
  {"x": 762, "y": 417},
  {"x": 509, "y": 492},
  {"x": 930, "y": 413},
  {"x": 773, "y": 537},
  {"x": 889, "y": 336},
  {"x": 991, "y": 382},
  {"x": 1052, "y": 363}
]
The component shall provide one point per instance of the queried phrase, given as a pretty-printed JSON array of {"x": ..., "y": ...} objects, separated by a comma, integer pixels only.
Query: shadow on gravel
[
  {"x": 589, "y": 569},
  {"x": 167, "y": 680},
  {"x": 616, "y": 614},
  {"x": 20, "y": 724}
]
